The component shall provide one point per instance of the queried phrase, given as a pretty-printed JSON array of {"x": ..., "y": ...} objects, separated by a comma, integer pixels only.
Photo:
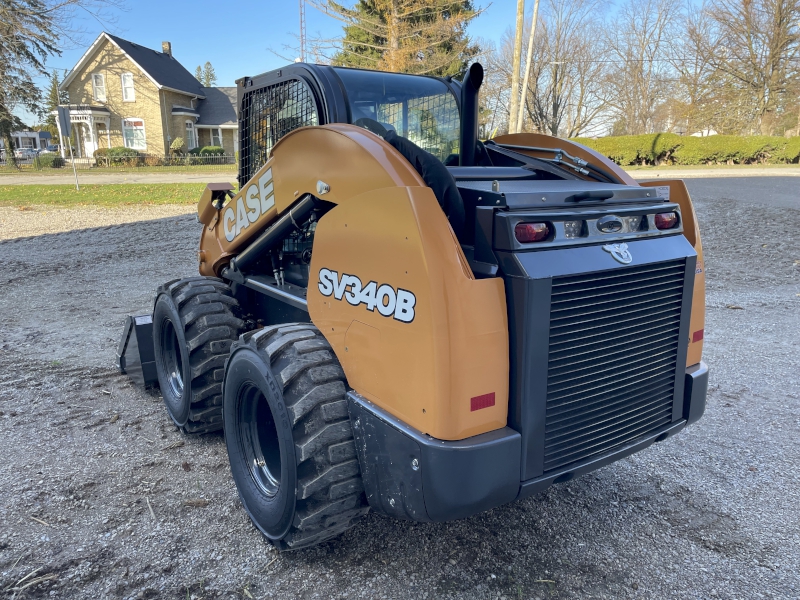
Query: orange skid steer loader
[{"x": 392, "y": 315}]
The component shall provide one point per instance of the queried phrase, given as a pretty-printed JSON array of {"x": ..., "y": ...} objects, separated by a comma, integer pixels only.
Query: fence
[{"x": 50, "y": 162}]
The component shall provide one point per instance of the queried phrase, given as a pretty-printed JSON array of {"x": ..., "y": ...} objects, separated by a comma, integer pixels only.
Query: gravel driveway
[{"x": 100, "y": 497}]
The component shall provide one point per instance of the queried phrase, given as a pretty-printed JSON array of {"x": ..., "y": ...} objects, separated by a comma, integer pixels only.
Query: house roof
[
  {"x": 219, "y": 107},
  {"x": 161, "y": 68}
]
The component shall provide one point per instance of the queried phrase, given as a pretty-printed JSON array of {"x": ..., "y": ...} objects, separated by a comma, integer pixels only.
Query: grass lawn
[
  {"x": 754, "y": 167},
  {"x": 100, "y": 194},
  {"x": 27, "y": 170}
]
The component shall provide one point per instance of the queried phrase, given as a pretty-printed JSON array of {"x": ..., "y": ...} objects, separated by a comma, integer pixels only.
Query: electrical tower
[{"x": 302, "y": 31}]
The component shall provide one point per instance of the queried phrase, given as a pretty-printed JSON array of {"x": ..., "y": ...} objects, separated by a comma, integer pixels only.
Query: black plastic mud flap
[
  {"x": 410, "y": 475},
  {"x": 136, "y": 353}
]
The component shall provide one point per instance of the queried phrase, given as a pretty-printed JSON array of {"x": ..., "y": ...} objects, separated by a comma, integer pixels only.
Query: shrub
[
  {"x": 669, "y": 148},
  {"x": 177, "y": 145},
  {"x": 49, "y": 161},
  {"x": 212, "y": 151}
]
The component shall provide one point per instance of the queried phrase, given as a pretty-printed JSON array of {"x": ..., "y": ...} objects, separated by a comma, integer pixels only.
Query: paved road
[
  {"x": 102, "y": 498},
  {"x": 782, "y": 192}
]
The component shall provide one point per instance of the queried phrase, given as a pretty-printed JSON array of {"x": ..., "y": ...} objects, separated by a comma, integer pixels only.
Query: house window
[
  {"x": 128, "y": 93},
  {"x": 133, "y": 134},
  {"x": 191, "y": 138},
  {"x": 99, "y": 87},
  {"x": 216, "y": 137}
]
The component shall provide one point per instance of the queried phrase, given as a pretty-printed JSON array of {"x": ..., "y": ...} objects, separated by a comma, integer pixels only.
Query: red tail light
[
  {"x": 531, "y": 232},
  {"x": 666, "y": 220}
]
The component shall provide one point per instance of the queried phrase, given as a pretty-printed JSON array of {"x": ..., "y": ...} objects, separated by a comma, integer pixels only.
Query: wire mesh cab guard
[{"x": 270, "y": 106}]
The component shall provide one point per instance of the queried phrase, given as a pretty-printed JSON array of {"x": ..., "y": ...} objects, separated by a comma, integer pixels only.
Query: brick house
[{"x": 123, "y": 94}]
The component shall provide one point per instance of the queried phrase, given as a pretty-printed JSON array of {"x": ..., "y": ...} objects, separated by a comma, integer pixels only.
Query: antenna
[{"x": 302, "y": 30}]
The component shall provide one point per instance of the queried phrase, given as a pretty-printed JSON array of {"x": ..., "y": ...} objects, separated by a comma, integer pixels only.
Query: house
[
  {"x": 36, "y": 140},
  {"x": 123, "y": 94}
]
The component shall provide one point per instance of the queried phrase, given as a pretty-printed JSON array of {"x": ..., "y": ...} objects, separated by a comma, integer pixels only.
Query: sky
[{"x": 239, "y": 38}]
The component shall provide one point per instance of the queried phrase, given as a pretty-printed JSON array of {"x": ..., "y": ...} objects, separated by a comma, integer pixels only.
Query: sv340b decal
[{"x": 384, "y": 298}]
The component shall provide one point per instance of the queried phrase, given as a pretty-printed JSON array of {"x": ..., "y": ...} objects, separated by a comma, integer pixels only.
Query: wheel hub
[{"x": 259, "y": 439}]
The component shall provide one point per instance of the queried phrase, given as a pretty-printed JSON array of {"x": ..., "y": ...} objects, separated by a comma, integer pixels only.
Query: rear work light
[
  {"x": 666, "y": 220},
  {"x": 531, "y": 232}
]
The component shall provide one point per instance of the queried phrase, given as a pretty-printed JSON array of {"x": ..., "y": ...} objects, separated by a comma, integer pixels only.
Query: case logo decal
[
  {"x": 388, "y": 301},
  {"x": 620, "y": 252},
  {"x": 256, "y": 200}
]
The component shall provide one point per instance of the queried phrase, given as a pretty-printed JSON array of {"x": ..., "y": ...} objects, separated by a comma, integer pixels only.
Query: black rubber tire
[
  {"x": 289, "y": 438},
  {"x": 195, "y": 322}
]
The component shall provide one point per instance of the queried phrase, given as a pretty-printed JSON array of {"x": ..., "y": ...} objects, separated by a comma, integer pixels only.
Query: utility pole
[
  {"x": 514, "y": 104},
  {"x": 527, "y": 67},
  {"x": 302, "y": 30}
]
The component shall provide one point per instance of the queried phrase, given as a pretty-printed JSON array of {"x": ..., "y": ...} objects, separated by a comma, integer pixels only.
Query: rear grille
[{"x": 614, "y": 338}]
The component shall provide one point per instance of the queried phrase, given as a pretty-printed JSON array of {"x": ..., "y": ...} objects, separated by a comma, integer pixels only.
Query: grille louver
[{"x": 614, "y": 340}]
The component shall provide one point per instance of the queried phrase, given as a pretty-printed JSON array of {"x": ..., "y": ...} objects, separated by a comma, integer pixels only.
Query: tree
[
  {"x": 205, "y": 75},
  {"x": 30, "y": 31},
  {"x": 52, "y": 99},
  {"x": 565, "y": 94},
  {"x": 756, "y": 45},
  {"x": 637, "y": 42},
  {"x": 408, "y": 36}
]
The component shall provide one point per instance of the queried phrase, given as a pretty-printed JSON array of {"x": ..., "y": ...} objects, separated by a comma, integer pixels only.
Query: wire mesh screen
[{"x": 267, "y": 115}]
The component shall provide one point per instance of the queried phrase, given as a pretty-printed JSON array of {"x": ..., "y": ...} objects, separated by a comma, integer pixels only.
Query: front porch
[{"x": 92, "y": 126}]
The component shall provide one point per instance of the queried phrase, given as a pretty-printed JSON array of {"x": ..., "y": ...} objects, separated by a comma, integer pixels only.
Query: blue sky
[{"x": 236, "y": 37}]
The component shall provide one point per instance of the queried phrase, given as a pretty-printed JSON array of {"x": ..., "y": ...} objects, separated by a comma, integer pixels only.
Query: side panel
[
  {"x": 348, "y": 158},
  {"x": 438, "y": 359},
  {"x": 691, "y": 229}
]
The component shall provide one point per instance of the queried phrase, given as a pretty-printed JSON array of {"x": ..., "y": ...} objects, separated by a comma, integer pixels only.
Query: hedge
[
  {"x": 118, "y": 156},
  {"x": 49, "y": 160},
  {"x": 673, "y": 149}
]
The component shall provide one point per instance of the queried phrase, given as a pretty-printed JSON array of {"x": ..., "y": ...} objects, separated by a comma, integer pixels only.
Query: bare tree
[
  {"x": 757, "y": 46},
  {"x": 637, "y": 42},
  {"x": 565, "y": 94}
]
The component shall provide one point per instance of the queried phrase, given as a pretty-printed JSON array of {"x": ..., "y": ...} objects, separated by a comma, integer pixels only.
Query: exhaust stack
[{"x": 469, "y": 114}]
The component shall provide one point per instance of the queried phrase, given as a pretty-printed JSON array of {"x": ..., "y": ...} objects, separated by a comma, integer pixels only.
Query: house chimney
[{"x": 166, "y": 48}]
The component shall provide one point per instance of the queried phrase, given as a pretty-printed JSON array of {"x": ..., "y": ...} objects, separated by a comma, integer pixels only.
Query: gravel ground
[{"x": 102, "y": 498}]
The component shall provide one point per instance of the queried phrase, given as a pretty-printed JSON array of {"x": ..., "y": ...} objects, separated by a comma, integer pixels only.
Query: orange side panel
[
  {"x": 680, "y": 195},
  {"x": 349, "y": 159},
  {"x": 426, "y": 367}
]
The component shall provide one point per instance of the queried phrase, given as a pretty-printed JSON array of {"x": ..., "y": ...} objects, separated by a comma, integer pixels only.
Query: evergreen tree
[
  {"x": 53, "y": 98},
  {"x": 410, "y": 36},
  {"x": 209, "y": 76},
  {"x": 205, "y": 75}
]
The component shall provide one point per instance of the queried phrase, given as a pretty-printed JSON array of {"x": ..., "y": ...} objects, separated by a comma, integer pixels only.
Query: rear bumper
[{"x": 410, "y": 475}]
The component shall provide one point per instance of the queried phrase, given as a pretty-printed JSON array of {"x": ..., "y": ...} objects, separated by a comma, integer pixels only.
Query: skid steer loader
[{"x": 391, "y": 315}]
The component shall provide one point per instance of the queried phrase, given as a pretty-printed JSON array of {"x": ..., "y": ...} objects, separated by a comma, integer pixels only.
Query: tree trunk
[
  {"x": 514, "y": 107},
  {"x": 393, "y": 58},
  {"x": 11, "y": 160}
]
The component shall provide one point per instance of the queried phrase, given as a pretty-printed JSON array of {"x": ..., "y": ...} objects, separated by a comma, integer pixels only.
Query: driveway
[{"x": 101, "y": 497}]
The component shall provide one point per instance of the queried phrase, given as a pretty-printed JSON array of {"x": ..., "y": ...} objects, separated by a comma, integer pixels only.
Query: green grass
[
  {"x": 710, "y": 167},
  {"x": 28, "y": 170},
  {"x": 100, "y": 194}
]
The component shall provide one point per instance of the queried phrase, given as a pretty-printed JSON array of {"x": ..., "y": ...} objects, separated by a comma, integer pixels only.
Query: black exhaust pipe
[{"x": 469, "y": 114}]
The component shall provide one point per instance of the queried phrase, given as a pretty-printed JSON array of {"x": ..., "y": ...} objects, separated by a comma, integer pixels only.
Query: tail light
[
  {"x": 666, "y": 220},
  {"x": 531, "y": 232}
]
